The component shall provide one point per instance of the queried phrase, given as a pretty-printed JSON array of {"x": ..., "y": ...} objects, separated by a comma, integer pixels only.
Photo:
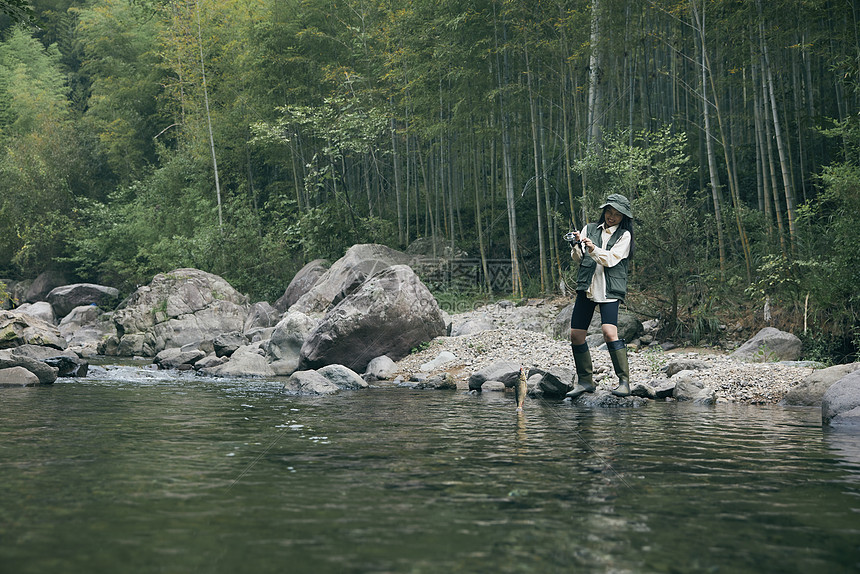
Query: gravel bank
[{"x": 733, "y": 381}]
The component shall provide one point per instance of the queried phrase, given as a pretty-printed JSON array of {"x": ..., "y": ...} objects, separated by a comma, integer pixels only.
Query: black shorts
[{"x": 583, "y": 311}]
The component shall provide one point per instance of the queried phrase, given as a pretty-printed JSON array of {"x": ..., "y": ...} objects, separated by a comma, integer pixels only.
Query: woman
[{"x": 603, "y": 251}]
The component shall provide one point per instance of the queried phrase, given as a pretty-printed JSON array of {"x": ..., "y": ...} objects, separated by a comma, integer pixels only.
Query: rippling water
[{"x": 140, "y": 471}]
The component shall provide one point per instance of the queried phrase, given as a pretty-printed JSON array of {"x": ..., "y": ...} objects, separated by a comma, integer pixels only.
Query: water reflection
[{"x": 148, "y": 473}]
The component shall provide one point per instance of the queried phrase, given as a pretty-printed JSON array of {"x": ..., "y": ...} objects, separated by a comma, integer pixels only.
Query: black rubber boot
[
  {"x": 618, "y": 354},
  {"x": 584, "y": 371}
]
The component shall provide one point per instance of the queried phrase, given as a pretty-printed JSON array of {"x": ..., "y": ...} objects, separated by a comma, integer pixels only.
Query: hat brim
[{"x": 618, "y": 207}]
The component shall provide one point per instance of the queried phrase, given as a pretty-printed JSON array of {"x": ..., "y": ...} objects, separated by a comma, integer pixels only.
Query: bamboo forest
[{"x": 249, "y": 137}]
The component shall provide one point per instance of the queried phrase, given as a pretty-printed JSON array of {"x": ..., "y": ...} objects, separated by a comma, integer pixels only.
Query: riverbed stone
[
  {"x": 310, "y": 382},
  {"x": 556, "y": 382},
  {"x": 440, "y": 381},
  {"x": 674, "y": 367},
  {"x": 67, "y": 363},
  {"x": 44, "y": 372},
  {"x": 840, "y": 405},
  {"x": 343, "y": 377},
  {"x": 17, "y": 377},
  {"x": 284, "y": 347},
  {"x": 810, "y": 390},
  {"x": 246, "y": 361},
  {"x": 174, "y": 358},
  {"x": 438, "y": 361},
  {"x": 689, "y": 388},
  {"x": 505, "y": 372},
  {"x": 44, "y": 284},
  {"x": 470, "y": 326},
  {"x": 210, "y": 361},
  {"x": 380, "y": 368},
  {"x": 769, "y": 345},
  {"x": 603, "y": 398}
]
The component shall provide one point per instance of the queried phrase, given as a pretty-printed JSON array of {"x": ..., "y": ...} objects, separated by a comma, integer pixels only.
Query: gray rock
[
  {"x": 347, "y": 274},
  {"x": 226, "y": 344},
  {"x": 302, "y": 282},
  {"x": 810, "y": 390},
  {"x": 18, "y": 329},
  {"x": 602, "y": 398},
  {"x": 555, "y": 382},
  {"x": 177, "y": 308},
  {"x": 310, "y": 383},
  {"x": 67, "y": 363},
  {"x": 210, "y": 361},
  {"x": 688, "y": 388},
  {"x": 246, "y": 361},
  {"x": 261, "y": 315},
  {"x": 439, "y": 382},
  {"x": 284, "y": 347},
  {"x": 663, "y": 389},
  {"x": 45, "y": 373},
  {"x": 643, "y": 390},
  {"x": 674, "y": 367},
  {"x": 65, "y": 298},
  {"x": 85, "y": 328},
  {"x": 839, "y": 405},
  {"x": 769, "y": 345},
  {"x": 470, "y": 327},
  {"x": 441, "y": 359},
  {"x": 343, "y": 377},
  {"x": 380, "y": 368},
  {"x": 504, "y": 372},
  {"x": 40, "y": 310},
  {"x": 43, "y": 284},
  {"x": 174, "y": 358},
  {"x": 17, "y": 377},
  {"x": 390, "y": 314}
]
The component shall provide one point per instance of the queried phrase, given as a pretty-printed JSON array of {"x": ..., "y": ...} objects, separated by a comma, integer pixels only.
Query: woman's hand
[{"x": 588, "y": 243}]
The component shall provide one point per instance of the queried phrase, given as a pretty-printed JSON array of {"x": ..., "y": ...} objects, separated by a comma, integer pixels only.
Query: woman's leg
[
  {"x": 583, "y": 311},
  {"x": 617, "y": 348}
]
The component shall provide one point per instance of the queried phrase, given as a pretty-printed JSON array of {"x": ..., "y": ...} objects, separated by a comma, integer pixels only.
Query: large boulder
[
  {"x": 343, "y": 377},
  {"x": 347, "y": 274},
  {"x": 85, "y": 328},
  {"x": 690, "y": 388},
  {"x": 302, "y": 282},
  {"x": 809, "y": 391},
  {"x": 65, "y": 298},
  {"x": 18, "y": 329},
  {"x": 40, "y": 309},
  {"x": 17, "y": 377},
  {"x": 68, "y": 363},
  {"x": 43, "y": 284},
  {"x": 177, "y": 308},
  {"x": 390, "y": 314},
  {"x": 45, "y": 373},
  {"x": 840, "y": 404},
  {"x": 769, "y": 345},
  {"x": 284, "y": 347}
]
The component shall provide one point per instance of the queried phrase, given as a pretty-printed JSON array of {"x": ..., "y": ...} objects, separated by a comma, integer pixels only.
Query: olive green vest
[{"x": 616, "y": 276}]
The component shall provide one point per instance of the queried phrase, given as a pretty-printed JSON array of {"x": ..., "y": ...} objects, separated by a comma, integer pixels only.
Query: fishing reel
[{"x": 570, "y": 237}]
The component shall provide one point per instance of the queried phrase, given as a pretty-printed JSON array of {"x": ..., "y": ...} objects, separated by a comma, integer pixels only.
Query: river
[{"x": 139, "y": 471}]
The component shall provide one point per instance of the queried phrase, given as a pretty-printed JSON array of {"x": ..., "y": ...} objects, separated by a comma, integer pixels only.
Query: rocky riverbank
[{"x": 733, "y": 380}]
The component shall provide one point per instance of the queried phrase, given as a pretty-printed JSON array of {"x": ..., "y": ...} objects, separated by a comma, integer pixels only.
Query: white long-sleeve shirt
[{"x": 604, "y": 258}]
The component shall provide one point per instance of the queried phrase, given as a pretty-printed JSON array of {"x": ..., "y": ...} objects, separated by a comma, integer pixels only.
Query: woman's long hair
[{"x": 626, "y": 224}]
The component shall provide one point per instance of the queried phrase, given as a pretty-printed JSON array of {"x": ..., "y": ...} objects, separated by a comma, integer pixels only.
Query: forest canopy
[{"x": 248, "y": 137}]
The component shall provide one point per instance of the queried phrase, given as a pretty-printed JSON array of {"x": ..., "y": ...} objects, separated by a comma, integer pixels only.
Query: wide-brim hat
[{"x": 620, "y": 203}]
